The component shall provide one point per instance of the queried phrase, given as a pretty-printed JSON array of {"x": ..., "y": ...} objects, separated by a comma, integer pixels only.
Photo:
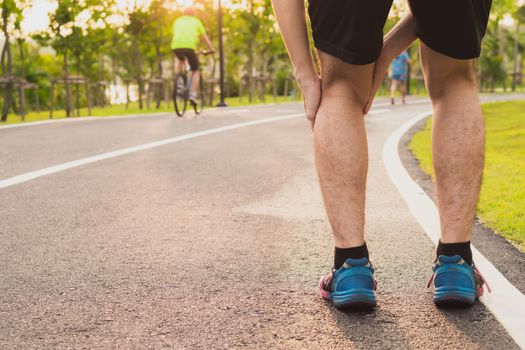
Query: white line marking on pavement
[
  {"x": 506, "y": 302},
  {"x": 413, "y": 102},
  {"x": 81, "y": 119},
  {"x": 215, "y": 110},
  {"x": 83, "y": 161},
  {"x": 379, "y": 111}
]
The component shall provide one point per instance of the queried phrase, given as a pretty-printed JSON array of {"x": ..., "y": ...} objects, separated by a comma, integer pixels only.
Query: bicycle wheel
[
  {"x": 200, "y": 98},
  {"x": 179, "y": 94}
]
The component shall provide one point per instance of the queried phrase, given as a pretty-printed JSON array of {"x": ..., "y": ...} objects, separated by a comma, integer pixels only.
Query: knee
[
  {"x": 345, "y": 81},
  {"x": 350, "y": 91},
  {"x": 443, "y": 81}
]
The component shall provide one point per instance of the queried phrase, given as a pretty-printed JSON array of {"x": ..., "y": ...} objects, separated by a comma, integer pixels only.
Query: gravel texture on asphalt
[{"x": 212, "y": 243}]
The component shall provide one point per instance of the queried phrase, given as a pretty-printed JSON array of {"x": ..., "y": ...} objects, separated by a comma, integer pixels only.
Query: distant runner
[
  {"x": 398, "y": 75},
  {"x": 187, "y": 30}
]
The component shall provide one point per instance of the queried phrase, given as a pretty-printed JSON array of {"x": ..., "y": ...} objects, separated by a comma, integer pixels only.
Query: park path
[{"x": 213, "y": 242}]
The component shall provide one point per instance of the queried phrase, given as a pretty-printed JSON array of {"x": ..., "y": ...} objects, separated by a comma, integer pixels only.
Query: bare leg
[
  {"x": 458, "y": 141},
  {"x": 195, "y": 77},
  {"x": 341, "y": 147},
  {"x": 402, "y": 89},
  {"x": 181, "y": 65},
  {"x": 393, "y": 88}
]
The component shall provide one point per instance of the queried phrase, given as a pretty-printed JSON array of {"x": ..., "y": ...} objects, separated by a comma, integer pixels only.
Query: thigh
[
  {"x": 179, "y": 53},
  {"x": 351, "y": 30},
  {"x": 193, "y": 60},
  {"x": 394, "y": 84},
  {"x": 453, "y": 28},
  {"x": 189, "y": 55}
]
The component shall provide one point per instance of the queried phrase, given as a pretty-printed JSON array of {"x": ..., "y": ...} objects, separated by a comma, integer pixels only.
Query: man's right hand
[
  {"x": 311, "y": 89},
  {"x": 396, "y": 41},
  {"x": 380, "y": 70}
]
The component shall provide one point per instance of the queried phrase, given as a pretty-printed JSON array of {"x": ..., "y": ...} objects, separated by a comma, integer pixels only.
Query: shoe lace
[
  {"x": 482, "y": 281},
  {"x": 431, "y": 279}
]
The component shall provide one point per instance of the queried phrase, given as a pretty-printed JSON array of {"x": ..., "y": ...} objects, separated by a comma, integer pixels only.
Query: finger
[
  {"x": 312, "y": 122},
  {"x": 367, "y": 106}
]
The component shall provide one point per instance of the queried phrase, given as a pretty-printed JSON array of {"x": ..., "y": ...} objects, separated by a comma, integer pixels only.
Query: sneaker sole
[
  {"x": 454, "y": 296},
  {"x": 354, "y": 299}
]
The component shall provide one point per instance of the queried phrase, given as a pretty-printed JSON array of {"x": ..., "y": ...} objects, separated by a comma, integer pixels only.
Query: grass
[
  {"x": 502, "y": 200},
  {"x": 120, "y": 109}
]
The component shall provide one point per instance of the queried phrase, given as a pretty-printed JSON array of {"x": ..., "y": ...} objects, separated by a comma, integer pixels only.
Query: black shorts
[
  {"x": 190, "y": 55},
  {"x": 352, "y": 30}
]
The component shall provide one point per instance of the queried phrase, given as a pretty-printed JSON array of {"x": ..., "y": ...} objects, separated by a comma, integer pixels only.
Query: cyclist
[{"x": 187, "y": 29}]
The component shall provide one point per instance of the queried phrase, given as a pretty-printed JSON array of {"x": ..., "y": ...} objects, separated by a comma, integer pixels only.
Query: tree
[
  {"x": 62, "y": 35},
  {"x": 519, "y": 18},
  {"x": 12, "y": 15}
]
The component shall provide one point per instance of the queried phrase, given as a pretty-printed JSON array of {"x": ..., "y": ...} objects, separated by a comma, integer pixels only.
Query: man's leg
[
  {"x": 181, "y": 64},
  {"x": 341, "y": 147},
  {"x": 195, "y": 77},
  {"x": 458, "y": 141},
  {"x": 342, "y": 163}
]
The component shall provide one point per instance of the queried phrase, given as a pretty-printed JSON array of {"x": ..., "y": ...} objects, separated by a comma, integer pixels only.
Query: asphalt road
[{"x": 209, "y": 243}]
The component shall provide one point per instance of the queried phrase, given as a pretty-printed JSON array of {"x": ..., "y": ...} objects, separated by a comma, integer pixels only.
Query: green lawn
[
  {"x": 133, "y": 109},
  {"x": 502, "y": 200}
]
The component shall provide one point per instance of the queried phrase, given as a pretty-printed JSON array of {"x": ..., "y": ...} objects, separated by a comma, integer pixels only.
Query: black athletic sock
[
  {"x": 461, "y": 249},
  {"x": 341, "y": 254}
]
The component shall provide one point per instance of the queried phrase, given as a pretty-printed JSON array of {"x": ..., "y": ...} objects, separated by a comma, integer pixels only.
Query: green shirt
[{"x": 186, "y": 31}]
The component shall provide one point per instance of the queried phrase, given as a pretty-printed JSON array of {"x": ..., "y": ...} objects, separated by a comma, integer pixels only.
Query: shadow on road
[
  {"x": 372, "y": 328},
  {"x": 473, "y": 323}
]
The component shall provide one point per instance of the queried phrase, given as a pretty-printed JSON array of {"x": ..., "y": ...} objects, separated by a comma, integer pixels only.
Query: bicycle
[{"x": 182, "y": 87}]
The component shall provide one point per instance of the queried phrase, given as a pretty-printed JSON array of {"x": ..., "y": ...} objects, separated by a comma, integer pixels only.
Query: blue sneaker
[
  {"x": 352, "y": 285},
  {"x": 455, "y": 281}
]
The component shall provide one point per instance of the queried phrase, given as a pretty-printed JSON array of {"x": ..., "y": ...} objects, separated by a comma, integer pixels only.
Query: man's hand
[
  {"x": 311, "y": 89},
  {"x": 396, "y": 41},
  {"x": 380, "y": 70},
  {"x": 292, "y": 23}
]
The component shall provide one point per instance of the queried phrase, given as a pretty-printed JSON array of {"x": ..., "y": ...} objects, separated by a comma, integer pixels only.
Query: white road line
[
  {"x": 506, "y": 302},
  {"x": 413, "y": 102},
  {"x": 83, "y": 161},
  {"x": 216, "y": 110},
  {"x": 81, "y": 119},
  {"x": 379, "y": 111},
  {"x": 219, "y": 110}
]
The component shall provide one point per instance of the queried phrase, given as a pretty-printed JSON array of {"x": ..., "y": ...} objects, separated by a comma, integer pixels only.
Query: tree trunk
[
  {"x": 8, "y": 92},
  {"x": 37, "y": 100},
  {"x": 158, "y": 90},
  {"x": 139, "y": 80},
  {"x": 23, "y": 76},
  {"x": 501, "y": 53},
  {"x": 52, "y": 100},
  {"x": 69, "y": 101},
  {"x": 274, "y": 89},
  {"x": 88, "y": 96},
  {"x": 77, "y": 90},
  {"x": 22, "y": 57},
  {"x": 515, "y": 70},
  {"x": 127, "y": 94},
  {"x": 22, "y": 96},
  {"x": 250, "y": 74}
]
